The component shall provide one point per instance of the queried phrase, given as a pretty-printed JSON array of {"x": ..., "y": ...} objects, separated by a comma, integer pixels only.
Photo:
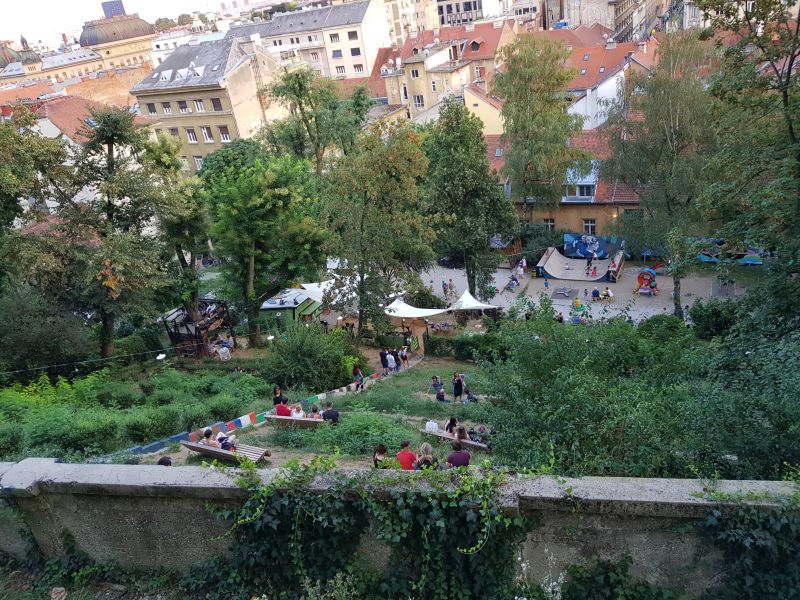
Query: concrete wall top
[{"x": 681, "y": 498}]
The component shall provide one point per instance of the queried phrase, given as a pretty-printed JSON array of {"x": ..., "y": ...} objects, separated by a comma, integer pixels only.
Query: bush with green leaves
[
  {"x": 713, "y": 317},
  {"x": 309, "y": 358}
]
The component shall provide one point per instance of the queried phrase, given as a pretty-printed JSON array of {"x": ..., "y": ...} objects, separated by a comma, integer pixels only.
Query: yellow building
[
  {"x": 106, "y": 44},
  {"x": 589, "y": 204},
  {"x": 485, "y": 106},
  {"x": 209, "y": 94}
]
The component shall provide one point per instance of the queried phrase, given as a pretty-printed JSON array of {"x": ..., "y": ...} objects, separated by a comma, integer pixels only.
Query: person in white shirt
[{"x": 391, "y": 362}]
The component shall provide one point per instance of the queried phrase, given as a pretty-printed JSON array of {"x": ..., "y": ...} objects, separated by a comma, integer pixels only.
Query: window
[
  {"x": 467, "y": 8},
  {"x": 198, "y": 162},
  {"x": 208, "y": 137},
  {"x": 583, "y": 71},
  {"x": 173, "y": 131},
  {"x": 340, "y": 70},
  {"x": 184, "y": 163},
  {"x": 585, "y": 191},
  {"x": 315, "y": 56},
  {"x": 159, "y": 132},
  {"x": 589, "y": 227},
  {"x": 477, "y": 72},
  {"x": 405, "y": 92},
  {"x": 224, "y": 134},
  {"x": 433, "y": 85},
  {"x": 151, "y": 108},
  {"x": 199, "y": 106},
  {"x": 498, "y": 152},
  {"x": 358, "y": 68},
  {"x": 586, "y": 56},
  {"x": 352, "y": 35},
  {"x": 414, "y": 73},
  {"x": 167, "y": 108},
  {"x": 334, "y": 38},
  {"x": 216, "y": 104},
  {"x": 191, "y": 135},
  {"x": 355, "y": 51},
  {"x": 419, "y": 101},
  {"x": 549, "y": 224},
  {"x": 337, "y": 54},
  {"x": 310, "y": 39},
  {"x": 158, "y": 46},
  {"x": 602, "y": 69},
  {"x": 183, "y": 106},
  {"x": 160, "y": 60}
]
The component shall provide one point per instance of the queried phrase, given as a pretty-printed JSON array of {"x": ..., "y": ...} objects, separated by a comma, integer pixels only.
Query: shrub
[
  {"x": 70, "y": 432},
  {"x": 195, "y": 416},
  {"x": 466, "y": 347},
  {"x": 166, "y": 396},
  {"x": 119, "y": 394},
  {"x": 713, "y": 318},
  {"x": 150, "y": 424},
  {"x": 309, "y": 358},
  {"x": 224, "y": 407},
  {"x": 438, "y": 346},
  {"x": 9, "y": 439}
]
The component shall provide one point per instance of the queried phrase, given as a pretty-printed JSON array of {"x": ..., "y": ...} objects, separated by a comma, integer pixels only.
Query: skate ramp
[{"x": 555, "y": 265}]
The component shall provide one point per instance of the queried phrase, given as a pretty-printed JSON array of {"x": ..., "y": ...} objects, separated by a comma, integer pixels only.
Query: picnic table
[
  {"x": 254, "y": 453},
  {"x": 446, "y": 436},
  {"x": 304, "y": 422}
]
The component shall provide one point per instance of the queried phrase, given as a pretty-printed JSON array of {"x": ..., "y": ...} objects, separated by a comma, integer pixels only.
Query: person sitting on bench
[
  {"x": 329, "y": 414},
  {"x": 286, "y": 410},
  {"x": 226, "y": 442}
]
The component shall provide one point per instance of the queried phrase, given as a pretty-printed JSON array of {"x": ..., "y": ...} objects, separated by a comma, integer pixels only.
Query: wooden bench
[
  {"x": 304, "y": 423},
  {"x": 254, "y": 453},
  {"x": 447, "y": 437}
]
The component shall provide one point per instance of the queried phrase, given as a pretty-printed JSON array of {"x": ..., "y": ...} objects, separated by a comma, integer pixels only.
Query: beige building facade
[
  {"x": 340, "y": 41},
  {"x": 208, "y": 95}
]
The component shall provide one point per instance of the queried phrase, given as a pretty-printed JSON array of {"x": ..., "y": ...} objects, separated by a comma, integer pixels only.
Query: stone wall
[{"x": 151, "y": 516}]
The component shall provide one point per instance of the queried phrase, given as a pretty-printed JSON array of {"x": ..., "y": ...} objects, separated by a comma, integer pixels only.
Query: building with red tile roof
[
  {"x": 590, "y": 204},
  {"x": 435, "y": 64},
  {"x": 68, "y": 115}
]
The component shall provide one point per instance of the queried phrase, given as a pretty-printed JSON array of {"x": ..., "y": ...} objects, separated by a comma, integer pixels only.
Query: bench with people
[
  {"x": 225, "y": 446},
  {"x": 472, "y": 438},
  {"x": 293, "y": 414}
]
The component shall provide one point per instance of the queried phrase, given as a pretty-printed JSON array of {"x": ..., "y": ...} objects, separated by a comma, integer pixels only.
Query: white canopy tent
[
  {"x": 316, "y": 291},
  {"x": 468, "y": 302},
  {"x": 401, "y": 310}
]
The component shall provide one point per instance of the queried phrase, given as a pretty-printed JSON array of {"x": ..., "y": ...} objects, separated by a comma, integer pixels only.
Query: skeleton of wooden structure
[{"x": 191, "y": 338}]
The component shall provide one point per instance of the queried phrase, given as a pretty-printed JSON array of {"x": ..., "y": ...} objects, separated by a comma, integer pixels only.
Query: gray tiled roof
[
  {"x": 340, "y": 15},
  {"x": 194, "y": 65}
]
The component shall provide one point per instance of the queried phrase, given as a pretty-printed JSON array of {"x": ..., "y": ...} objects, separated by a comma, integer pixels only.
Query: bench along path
[
  {"x": 254, "y": 453},
  {"x": 304, "y": 423},
  {"x": 443, "y": 435}
]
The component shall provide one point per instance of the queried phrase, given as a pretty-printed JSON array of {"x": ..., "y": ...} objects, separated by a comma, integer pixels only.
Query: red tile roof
[
  {"x": 583, "y": 35},
  {"x": 486, "y": 34},
  {"x": 479, "y": 89},
  {"x": 596, "y": 144},
  {"x": 27, "y": 93},
  {"x": 69, "y": 114},
  {"x": 493, "y": 144},
  {"x": 590, "y": 60},
  {"x": 375, "y": 81}
]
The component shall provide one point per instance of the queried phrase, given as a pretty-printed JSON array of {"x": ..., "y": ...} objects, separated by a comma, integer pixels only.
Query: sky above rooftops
[{"x": 61, "y": 16}]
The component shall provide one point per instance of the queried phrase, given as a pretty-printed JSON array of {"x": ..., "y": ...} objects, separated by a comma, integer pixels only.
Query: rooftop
[
  {"x": 115, "y": 29},
  {"x": 480, "y": 44},
  {"x": 198, "y": 65},
  {"x": 340, "y": 15}
]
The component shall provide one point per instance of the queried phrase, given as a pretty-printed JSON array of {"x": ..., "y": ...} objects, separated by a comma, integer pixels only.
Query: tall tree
[
  {"x": 163, "y": 23},
  {"x": 185, "y": 19},
  {"x": 324, "y": 118},
  {"x": 660, "y": 135},
  {"x": 261, "y": 225},
  {"x": 376, "y": 211},
  {"x": 535, "y": 120},
  {"x": 466, "y": 194}
]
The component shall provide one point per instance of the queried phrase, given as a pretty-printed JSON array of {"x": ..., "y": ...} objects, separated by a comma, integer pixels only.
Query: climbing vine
[{"x": 446, "y": 533}]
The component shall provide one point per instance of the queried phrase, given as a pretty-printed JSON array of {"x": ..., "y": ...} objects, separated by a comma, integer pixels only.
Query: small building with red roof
[{"x": 589, "y": 204}]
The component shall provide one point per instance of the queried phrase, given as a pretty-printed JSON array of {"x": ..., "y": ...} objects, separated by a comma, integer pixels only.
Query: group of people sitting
[
  {"x": 422, "y": 458},
  {"x": 460, "y": 392},
  {"x": 459, "y": 432},
  {"x": 605, "y": 296},
  {"x": 295, "y": 411},
  {"x": 216, "y": 345}
]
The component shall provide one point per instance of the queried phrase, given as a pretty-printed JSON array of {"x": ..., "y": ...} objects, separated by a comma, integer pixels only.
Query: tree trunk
[
  {"x": 360, "y": 303},
  {"x": 254, "y": 329},
  {"x": 106, "y": 334},
  {"x": 190, "y": 304},
  {"x": 469, "y": 268},
  {"x": 676, "y": 294}
]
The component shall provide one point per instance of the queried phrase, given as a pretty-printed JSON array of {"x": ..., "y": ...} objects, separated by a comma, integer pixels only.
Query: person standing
[
  {"x": 458, "y": 386},
  {"x": 397, "y": 362},
  {"x": 358, "y": 377},
  {"x": 391, "y": 365},
  {"x": 404, "y": 356},
  {"x": 406, "y": 457},
  {"x": 384, "y": 362},
  {"x": 451, "y": 288},
  {"x": 277, "y": 396},
  {"x": 444, "y": 289}
]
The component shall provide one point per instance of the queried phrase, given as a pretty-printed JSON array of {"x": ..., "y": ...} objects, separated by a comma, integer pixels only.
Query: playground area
[{"x": 555, "y": 265}]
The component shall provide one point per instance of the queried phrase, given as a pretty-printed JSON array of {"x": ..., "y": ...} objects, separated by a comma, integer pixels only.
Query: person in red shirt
[
  {"x": 282, "y": 410},
  {"x": 405, "y": 457}
]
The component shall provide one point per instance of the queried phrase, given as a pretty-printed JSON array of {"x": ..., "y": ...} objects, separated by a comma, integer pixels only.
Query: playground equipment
[
  {"x": 555, "y": 265},
  {"x": 646, "y": 283}
]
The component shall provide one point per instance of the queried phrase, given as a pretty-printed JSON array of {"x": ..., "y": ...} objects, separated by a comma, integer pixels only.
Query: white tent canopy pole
[
  {"x": 468, "y": 302},
  {"x": 401, "y": 310}
]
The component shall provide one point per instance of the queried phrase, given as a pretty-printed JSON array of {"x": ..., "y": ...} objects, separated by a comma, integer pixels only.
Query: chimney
[
  {"x": 255, "y": 38},
  {"x": 469, "y": 27},
  {"x": 435, "y": 32},
  {"x": 611, "y": 44},
  {"x": 498, "y": 24},
  {"x": 643, "y": 47}
]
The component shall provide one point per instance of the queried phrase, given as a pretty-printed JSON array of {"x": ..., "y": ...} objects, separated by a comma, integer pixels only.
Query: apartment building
[
  {"x": 341, "y": 41},
  {"x": 630, "y": 20},
  {"x": 207, "y": 95},
  {"x": 435, "y": 64}
]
